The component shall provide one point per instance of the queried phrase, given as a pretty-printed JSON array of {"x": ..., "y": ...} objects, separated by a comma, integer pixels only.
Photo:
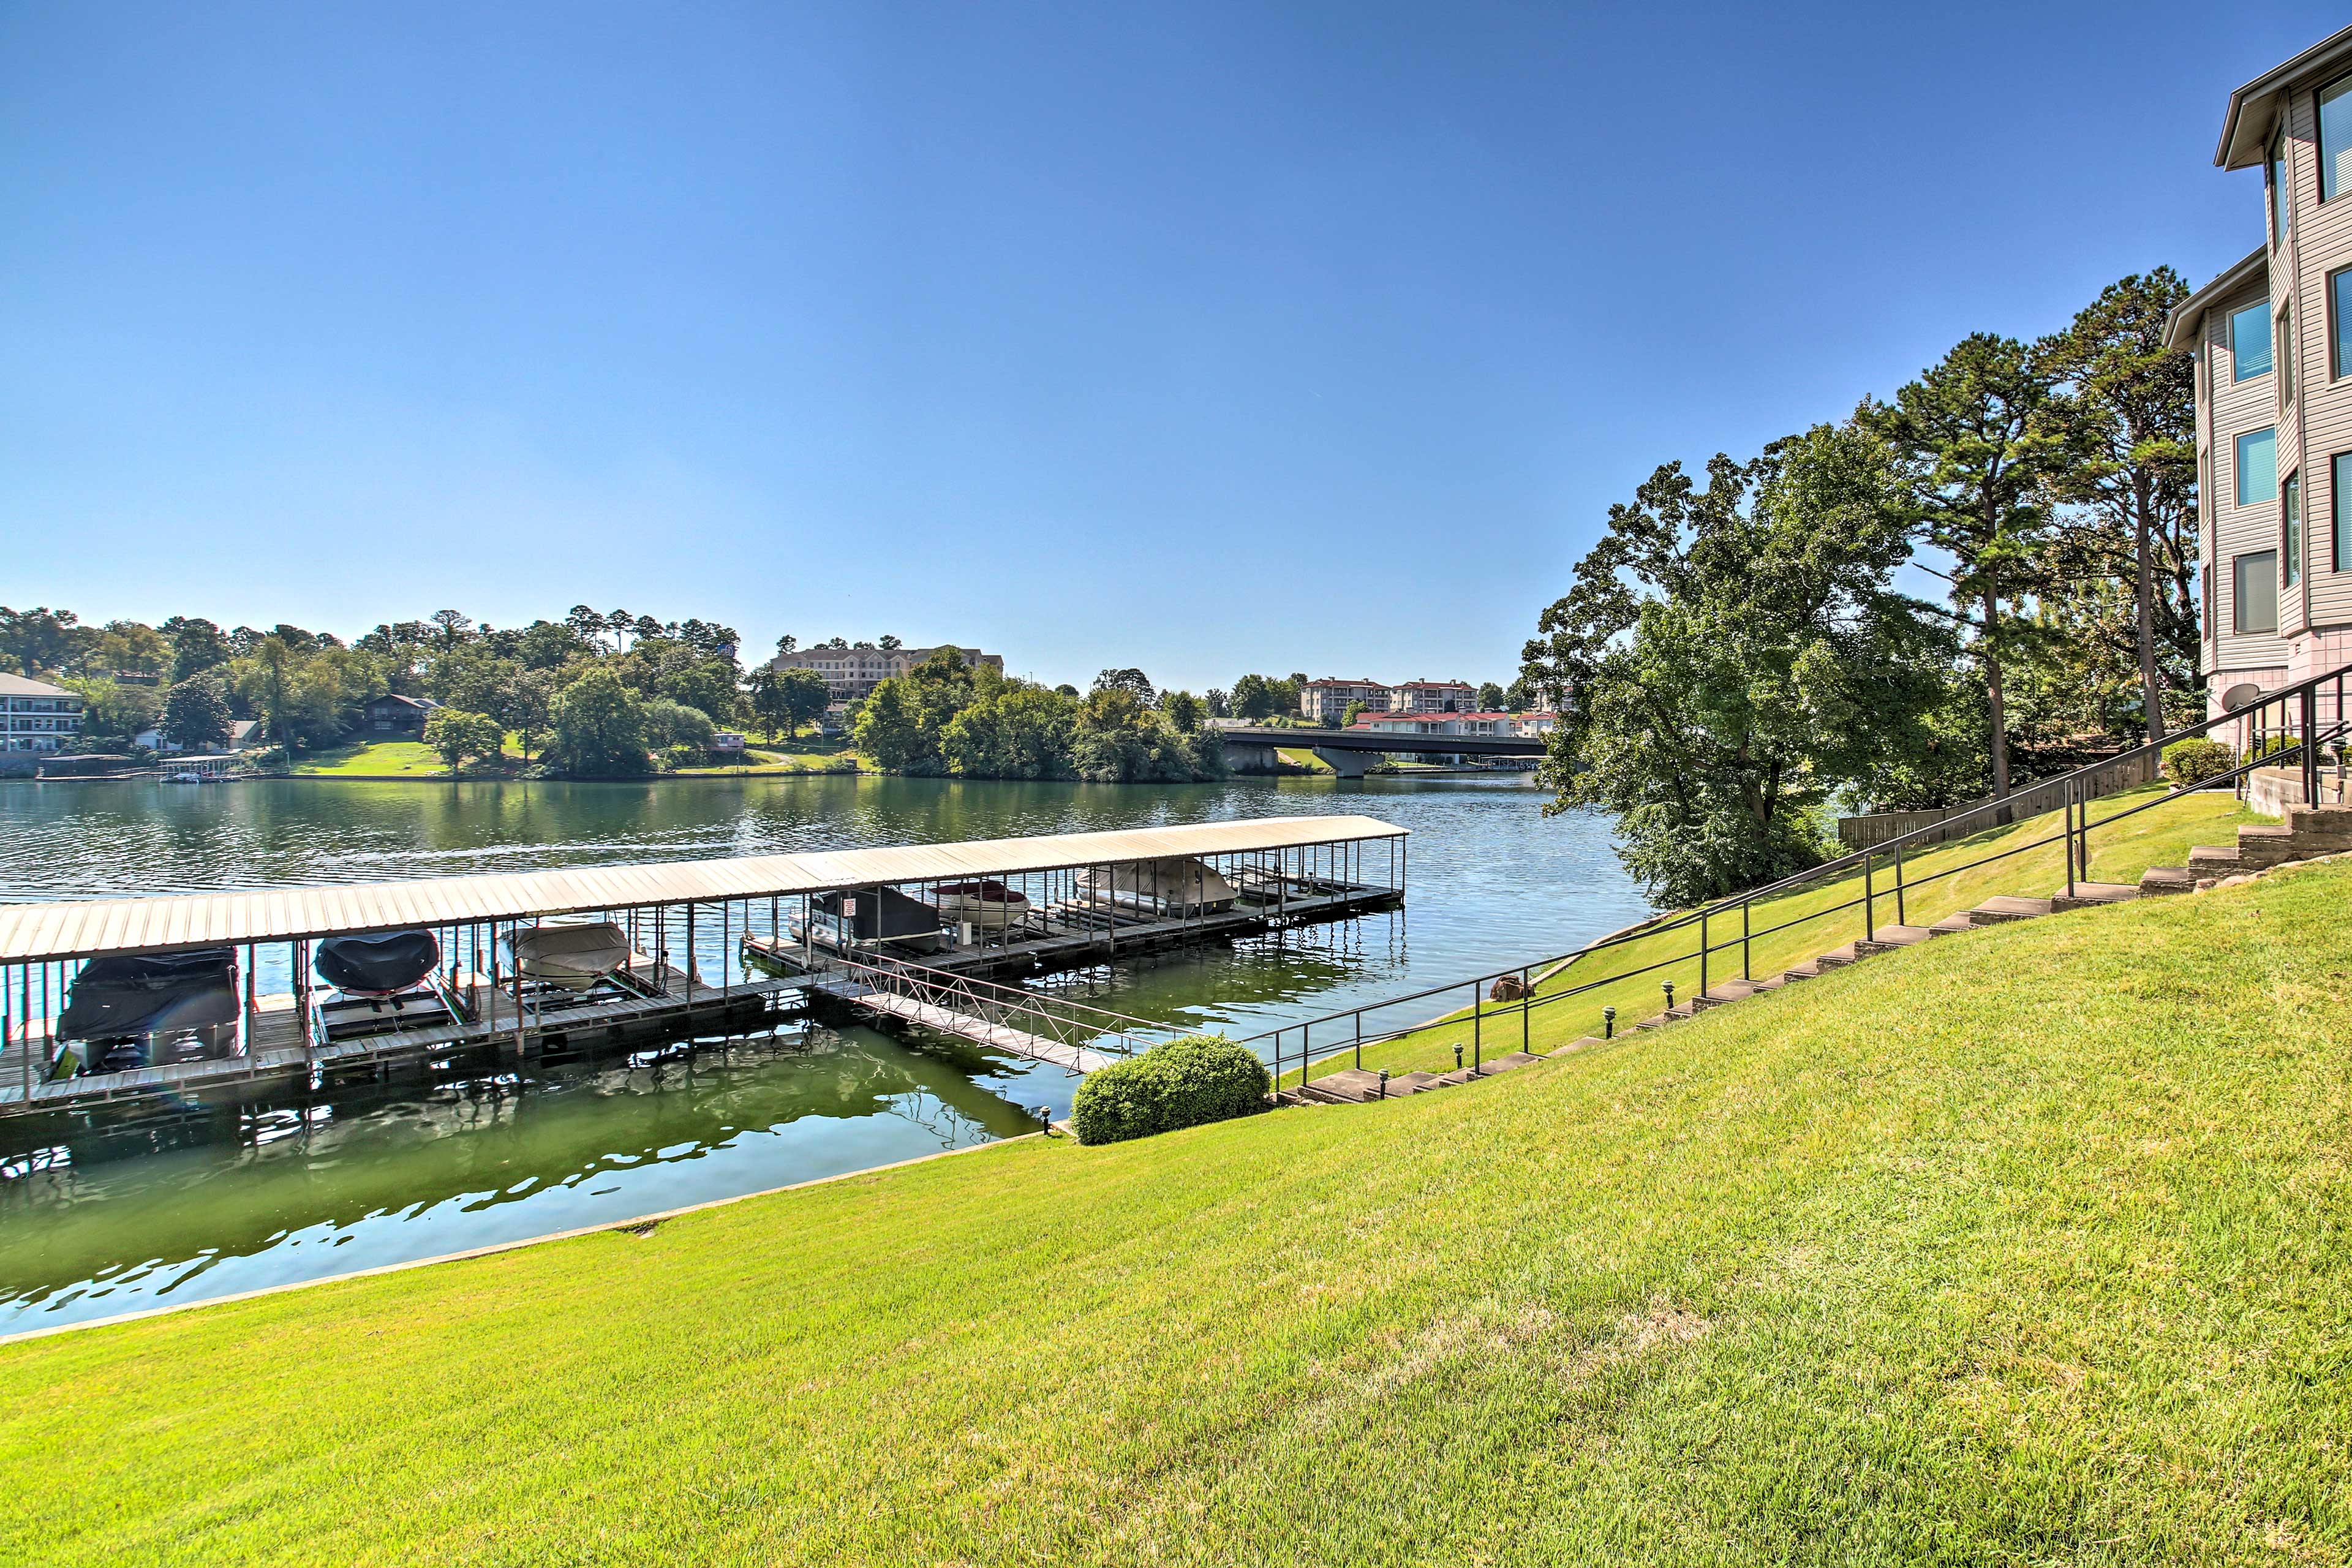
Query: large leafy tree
[
  {"x": 461, "y": 737},
  {"x": 599, "y": 727},
  {"x": 2125, "y": 419},
  {"x": 196, "y": 715},
  {"x": 1976, "y": 456},
  {"x": 197, "y": 644},
  {"x": 1734, "y": 655}
]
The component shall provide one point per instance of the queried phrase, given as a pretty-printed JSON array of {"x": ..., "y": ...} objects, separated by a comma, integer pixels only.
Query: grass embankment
[
  {"x": 416, "y": 759},
  {"x": 2022, "y": 1247},
  {"x": 1304, "y": 759},
  {"x": 1934, "y": 888}
]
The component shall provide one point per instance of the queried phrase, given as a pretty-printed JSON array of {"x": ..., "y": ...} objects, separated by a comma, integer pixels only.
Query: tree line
[
  {"x": 948, "y": 717},
  {"x": 1739, "y": 658}
]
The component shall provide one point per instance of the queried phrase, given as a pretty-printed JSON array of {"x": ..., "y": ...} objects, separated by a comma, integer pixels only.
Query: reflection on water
[{"x": 98, "y": 1219}]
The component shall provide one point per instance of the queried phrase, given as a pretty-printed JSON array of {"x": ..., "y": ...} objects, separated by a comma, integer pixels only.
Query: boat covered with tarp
[
  {"x": 572, "y": 956},
  {"x": 119, "y": 1001},
  {"x": 986, "y": 903},
  {"x": 382, "y": 965},
  {"x": 881, "y": 915},
  {"x": 1178, "y": 885}
]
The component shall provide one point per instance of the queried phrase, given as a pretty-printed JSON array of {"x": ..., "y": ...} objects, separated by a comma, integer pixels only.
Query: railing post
[
  {"x": 1474, "y": 999},
  {"x": 2069, "y": 809},
  {"x": 2310, "y": 746},
  {"x": 1869, "y": 897},
  {"x": 1527, "y": 1000},
  {"x": 1360, "y": 1040},
  {"x": 1900, "y": 919},
  {"x": 1746, "y": 971},
  {"x": 1702, "y": 946}
]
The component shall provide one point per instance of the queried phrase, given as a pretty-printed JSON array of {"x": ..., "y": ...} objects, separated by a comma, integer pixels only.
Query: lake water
[{"x": 100, "y": 1220}]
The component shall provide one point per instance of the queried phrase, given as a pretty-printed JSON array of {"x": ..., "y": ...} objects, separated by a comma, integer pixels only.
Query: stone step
[
  {"x": 2089, "y": 895},
  {"x": 1900, "y": 936},
  {"x": 1409, "y": 1083},
  {"x": 1839, "y": 957},
  {"x": 1522, "y": 1058},
  {"x": 2213, "y": 860},
  {"x": 2320, "y": 821},
  {"x": 2003, "y": 907},
  {"x": 1776, "y": 983},
  {"x": 1952, "y": 925},
  {"x": 1459, "y": 1075},
  {"x": 2159, "y": 881},
  {"x": 1724, "y": 991},
  {"x": 1351, "y": 1085}
]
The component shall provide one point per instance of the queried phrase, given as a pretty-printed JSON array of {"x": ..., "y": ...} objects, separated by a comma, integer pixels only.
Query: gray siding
[
  {"x": 2233, "y": 408},
  {"x": 2322, "y": 244}
]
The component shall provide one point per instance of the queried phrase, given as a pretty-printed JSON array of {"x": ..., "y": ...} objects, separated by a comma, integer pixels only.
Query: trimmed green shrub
[
  {"x": 1182, "y": 1083},
  {"x": 2270, "y": 745},
  {"x": 2189, "y": 764}
]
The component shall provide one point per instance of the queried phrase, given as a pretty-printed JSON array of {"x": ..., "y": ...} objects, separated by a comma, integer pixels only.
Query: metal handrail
[
  {"x": 2308, "y": 736},
  {"x": 987, "y": 999}
]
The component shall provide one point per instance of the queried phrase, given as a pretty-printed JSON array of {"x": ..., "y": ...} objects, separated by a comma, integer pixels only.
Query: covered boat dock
[{"x": 727, "y": 945}]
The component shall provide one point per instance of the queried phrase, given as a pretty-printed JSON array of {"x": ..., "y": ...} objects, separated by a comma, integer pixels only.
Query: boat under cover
[
  {"x": 982, "y": 903},
  {"x": 575, "y": 957},
  {"x": 383, "y": 965},
  {"x": 882, "y": 914},
  {"x": 1178, "y": 885},
  {"x": 128, "y": 996}
]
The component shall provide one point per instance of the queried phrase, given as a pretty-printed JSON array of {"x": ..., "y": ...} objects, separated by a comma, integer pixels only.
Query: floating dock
[{"x": 688, "y": 920}]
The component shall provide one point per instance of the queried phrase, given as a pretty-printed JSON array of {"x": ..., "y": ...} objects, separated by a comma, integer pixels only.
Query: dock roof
[{"x": 87, "y": 928}]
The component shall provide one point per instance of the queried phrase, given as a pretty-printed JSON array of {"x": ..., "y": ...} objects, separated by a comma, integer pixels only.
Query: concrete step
[
  {"x": 2003, "y": 907},
  {"x": 1351, "y": 1085},
  {"x": 1411, "y": 1083},
  {"x": 1776, "y": 983},
  {"x": 2333, "y": 822},
  {"x": 1952, "y": 925},
  {"x": 2213, "y": 860},
  {"x": 1724, "y": 991},
  {"x": 1523, "y": 1058},
  {"x": 1900, "y": 936},
  {"x": 1839, "y": 957},
  {"x": 1459, "y": 1075},
  {"x": 2159, "y": 881},
  {"x": 2089, "y": 895}
]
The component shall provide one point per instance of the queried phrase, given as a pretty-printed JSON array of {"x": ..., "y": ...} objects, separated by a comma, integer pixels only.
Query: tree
[
  {"x": 198, "y": 646},
  {"x": 1183, "y": 711},
  {"x": 473, "y": 677},
  {"x": 673, "y": 724},
  {"x": 1066, "y": 689},
  {"x": 530, "y": 703},
  {"x": 890, "y": 645},
  {"x": 1254, "y": 697},
  {"x": 707, "y": 684},
  {"x": 1491, "y": 697},
  {"x": 2126, "y": 421},
  {"x": 1132, "y": 680},
  {"x": 802, "y": 697},
  {"x": 1219, "y": 705},
  {"x": 460, "y": 737},
  {"x": 1737, "y": 654},
  {"x": 114, "y": 714},
  {"x": 454, "y": 628},
  {"x": 1976, "y": 457},
  {"x": 196, "y": 715},
  {"x": 1355, "y": 712},
  {"x": 599, "y": 728},
  {"x": 1016, "y": 731},
  {"x": 787, "y": 644},
  {"x": 903, "y": 723},
  {"x": 623, "y": 624},
  {"x": 40, "y": 641},
  {"x": 587, "y": 625},
  {"x": 272, "y": 661},
  {"x": 128, "y": 645}
]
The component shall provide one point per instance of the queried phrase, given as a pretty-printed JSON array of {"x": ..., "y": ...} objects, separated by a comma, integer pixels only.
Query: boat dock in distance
[{"x": 156, "y": 998}]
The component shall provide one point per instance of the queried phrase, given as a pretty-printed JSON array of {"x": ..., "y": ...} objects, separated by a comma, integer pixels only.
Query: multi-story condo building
[
  {"x": 1327, "y": 701},
  {"x": 2272, "y": 338},
  {"x": 35, "y": 716},
  {"x": 1435, "y": 697},
  {"x": 851, "y": 674}
]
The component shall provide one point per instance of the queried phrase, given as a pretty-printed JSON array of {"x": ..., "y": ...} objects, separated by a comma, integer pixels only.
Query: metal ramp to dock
[{"x": 1074, "y": 1035}]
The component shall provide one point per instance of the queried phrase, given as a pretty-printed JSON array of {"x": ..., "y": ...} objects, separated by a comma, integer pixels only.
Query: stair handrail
[{"x": 2309, "y": 739}]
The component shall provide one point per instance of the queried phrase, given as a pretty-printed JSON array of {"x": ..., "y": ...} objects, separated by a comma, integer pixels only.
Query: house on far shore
[
  {"x": 244, "y": 735},
  {"x": 726, "y": 740},
  {"x": 392, "y": 714},
  {"x": 35, "y": 716}
]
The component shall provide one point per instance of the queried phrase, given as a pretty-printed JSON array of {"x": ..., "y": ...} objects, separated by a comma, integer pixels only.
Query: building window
[
  {"x": 2249, "y": 341},
  {"x": 2257, "y": 467},
  {"x": 2257, "y": 592},
  {"x": 2341, "y": 505},
  {"x": 2290, "y": 535},
  {"x": 2340, "y": 308},
  {"x": 2282, "y": 193},
  {"x": 2334, "y": 137},
  {"x": 2286, "y": 355}
]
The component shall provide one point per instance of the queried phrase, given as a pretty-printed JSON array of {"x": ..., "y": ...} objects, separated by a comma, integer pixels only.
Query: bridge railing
[{"x": 2292, "y": 727}]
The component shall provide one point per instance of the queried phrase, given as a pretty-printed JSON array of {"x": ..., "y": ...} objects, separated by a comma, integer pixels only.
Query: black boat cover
[
  {"x": 389, "y": 960},
  {"x": 881, "y": 913},
  {"x": 117, "y": 997}
]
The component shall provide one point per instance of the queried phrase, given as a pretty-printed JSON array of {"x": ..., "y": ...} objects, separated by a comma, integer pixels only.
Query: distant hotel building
[
  {"x": 1327, "y": 701},
  {"x": 35, "y": 716},
  {"x": 1506, "y": 726},
  {"x": 851, "y": 674}
]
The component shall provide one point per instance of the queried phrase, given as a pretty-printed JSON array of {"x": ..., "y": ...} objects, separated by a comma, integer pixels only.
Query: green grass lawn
[
  {"x": 371, "y": 757},
  {"x": 1304, "y": 757},
  {"x": 1934, "y": 887},
  {"x": 2024, "y": 1247}
]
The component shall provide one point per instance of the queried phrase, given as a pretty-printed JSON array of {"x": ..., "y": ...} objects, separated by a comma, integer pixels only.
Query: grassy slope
[
  {"x": 2025, "y": 1245},
  {"x": 372, "y": 757},
  {"x": 1934, "y": 888}
]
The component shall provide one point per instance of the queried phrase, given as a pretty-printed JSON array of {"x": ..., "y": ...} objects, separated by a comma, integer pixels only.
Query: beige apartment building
[
  {"x": 2273, "y": 337},
  {"x": 851, "y": 674}
]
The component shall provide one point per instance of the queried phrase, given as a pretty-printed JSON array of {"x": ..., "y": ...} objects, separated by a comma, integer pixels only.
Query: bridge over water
[{"x": 1349, "y": 751}]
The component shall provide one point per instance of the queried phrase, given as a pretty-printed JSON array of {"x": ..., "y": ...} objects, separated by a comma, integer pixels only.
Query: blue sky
[{"x": 1206, "y": 337}]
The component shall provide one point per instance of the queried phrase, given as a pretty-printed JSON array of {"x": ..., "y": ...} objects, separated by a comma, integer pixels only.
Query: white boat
[
  {"x": 571, "y": 956},
  {"x": 1176, "y": 885},
  {"x": 990, "y": 905}
]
